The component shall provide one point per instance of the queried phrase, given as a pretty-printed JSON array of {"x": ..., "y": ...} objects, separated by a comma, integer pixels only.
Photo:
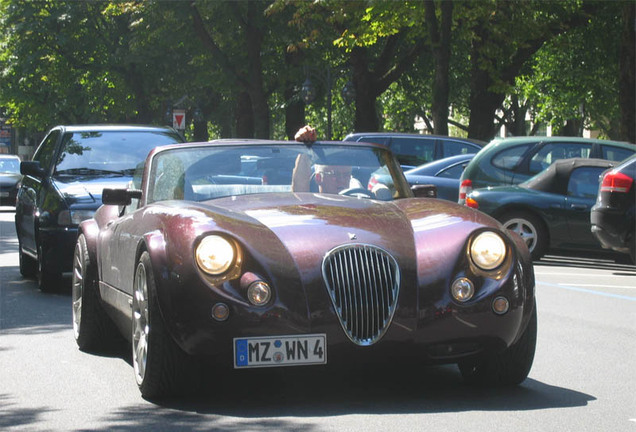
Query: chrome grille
[{"x": 363, "y": 282}]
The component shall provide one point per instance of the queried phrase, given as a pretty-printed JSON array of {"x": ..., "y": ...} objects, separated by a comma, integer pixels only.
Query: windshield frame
[{"x": 334, "y": 153}]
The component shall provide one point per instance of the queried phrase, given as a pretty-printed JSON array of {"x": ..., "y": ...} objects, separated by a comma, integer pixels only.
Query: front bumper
[
  {"x": 8, "y": 197},
  {"x": 428, "y": 326},
  {"x": 611, "y": 229},
  {"x": 58, "y": 246}
]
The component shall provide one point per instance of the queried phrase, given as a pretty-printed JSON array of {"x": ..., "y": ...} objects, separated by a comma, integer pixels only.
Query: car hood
[
  {"x": 287, "y": 236},
  {"x": 9, "y": 179},
  {"x": 309, "y": 225},
  {"x": 88, "y": 190}
]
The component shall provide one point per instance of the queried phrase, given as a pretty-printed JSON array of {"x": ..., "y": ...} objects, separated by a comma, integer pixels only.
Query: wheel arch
[
  {"x": 90, "y": 230},
  {"x": 522, "y": 208}
]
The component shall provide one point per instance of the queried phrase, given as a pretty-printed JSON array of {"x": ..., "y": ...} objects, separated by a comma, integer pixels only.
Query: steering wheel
[{"x": 357, "y": 192}]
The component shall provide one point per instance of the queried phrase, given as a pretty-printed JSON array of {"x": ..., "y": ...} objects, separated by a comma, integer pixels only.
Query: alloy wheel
[
  {"x": 526, "y": 230},
  {"x": 77, "y": 290},
  {"x": 140, "y": 324}
]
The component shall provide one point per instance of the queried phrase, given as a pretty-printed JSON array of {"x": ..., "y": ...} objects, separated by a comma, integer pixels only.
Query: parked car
[
  {"x": 552, "y": 209},
  {"x": 9, "y": 179},
  {"x": 412, "y": 150},
  {"x": 443, "y": 174},
  {"x": 63, "y": 184},
  {"x": 247, "y": 275},
  {"x": 612, "y": 216},
  {"x": 514, "y": 160}
]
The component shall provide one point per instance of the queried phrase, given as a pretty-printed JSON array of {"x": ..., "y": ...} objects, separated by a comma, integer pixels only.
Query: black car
[
  {"x": 612, "y": 216},
  {"x": 9, "y": 179},
  {"x": 62, "y": 186},
  {"x": 551, "y": 211},
  {"x": 412, "y": 150}
]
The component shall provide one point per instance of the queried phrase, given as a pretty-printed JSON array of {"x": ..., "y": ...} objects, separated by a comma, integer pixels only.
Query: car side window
[
  {"x": 414, "y": 152},
  {"x": 452, "y": 172},
  {"x": 135, "y": 184},
  {"x": 554, "y": 151},
  {"x": 44, "y": 153},
  {"x": 510, "y": 158},
  {"x": 584, "y": 182},
  {"x": 452, "y": 148},
  {"x": 615, "y": 153}
]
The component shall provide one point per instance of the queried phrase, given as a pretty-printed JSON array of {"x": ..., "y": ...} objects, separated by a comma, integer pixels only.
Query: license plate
[{"x": 280, "y": 351}]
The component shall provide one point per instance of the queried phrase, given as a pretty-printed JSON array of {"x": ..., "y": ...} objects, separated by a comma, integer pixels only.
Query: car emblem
[{"x": 352, "y": 236}]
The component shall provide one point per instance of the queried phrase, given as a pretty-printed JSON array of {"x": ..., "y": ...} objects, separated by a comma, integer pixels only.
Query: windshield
[
  {"x": 9, "y": 165},
  {"x": 203, "y": 173},
  {"x": 108, "y": 152}
]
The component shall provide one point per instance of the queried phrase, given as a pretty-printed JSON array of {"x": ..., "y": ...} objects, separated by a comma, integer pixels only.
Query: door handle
[{"x": 579, "y": 206}]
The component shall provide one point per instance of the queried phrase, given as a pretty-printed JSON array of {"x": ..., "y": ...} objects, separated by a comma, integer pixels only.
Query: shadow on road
[
  {"x": 264, "y": 399},
  {"x": 588, "y": 262}
]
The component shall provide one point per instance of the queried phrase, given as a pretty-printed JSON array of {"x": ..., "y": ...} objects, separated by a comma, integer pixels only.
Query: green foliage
[
  {"x": 127, "y": 61},
  {"x": 574, "y": 76}
]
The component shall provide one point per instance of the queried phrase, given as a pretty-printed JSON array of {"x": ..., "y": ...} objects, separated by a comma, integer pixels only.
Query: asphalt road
[{"x": 583, "y": 378}]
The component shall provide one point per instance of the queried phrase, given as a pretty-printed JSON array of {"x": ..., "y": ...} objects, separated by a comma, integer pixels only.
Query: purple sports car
[{"x": 250, "y": 253}]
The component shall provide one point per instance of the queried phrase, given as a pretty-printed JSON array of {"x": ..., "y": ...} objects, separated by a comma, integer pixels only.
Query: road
[{"x": 583, "y": 378}]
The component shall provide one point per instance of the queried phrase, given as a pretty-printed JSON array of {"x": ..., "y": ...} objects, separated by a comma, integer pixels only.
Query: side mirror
[
  {"x": 424, "y": 191},
  {"x": 120, "y": 197},
  {"x": 31, "y": 168}
]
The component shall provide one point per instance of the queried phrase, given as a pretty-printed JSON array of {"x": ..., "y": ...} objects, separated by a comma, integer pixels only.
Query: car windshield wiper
[{"x": 93, "y": 171}]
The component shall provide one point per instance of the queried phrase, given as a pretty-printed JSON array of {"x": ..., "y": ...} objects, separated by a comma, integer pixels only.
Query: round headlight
[
  {"x": 215, "y": 255},
  {"x": 488, "y": 250},
  {"x": 259, "y": 293},
  {"x": 462, "y": 289}
]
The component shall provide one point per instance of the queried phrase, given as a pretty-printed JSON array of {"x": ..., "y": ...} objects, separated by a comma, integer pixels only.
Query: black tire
[
  {"x": 28, "y": 266},
  {"x": 507, "y": 368},
  {"x": 162, "y": 369},
  {"x": 93, "y": 329},
  {"x": 531, "y": 229},
  {"x": 49, "y": 279}
]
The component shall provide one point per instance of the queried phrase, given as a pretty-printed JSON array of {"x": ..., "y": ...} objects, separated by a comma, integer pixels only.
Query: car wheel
[
  {"x": 28, "y": 266},
  {"x": 530, "y": 228},
  {"x": 92, "y": 328},
  {"x": 509, "y": 367},
  {"x": 48, "y": 278},
  {"x": 161, "y": 367}
]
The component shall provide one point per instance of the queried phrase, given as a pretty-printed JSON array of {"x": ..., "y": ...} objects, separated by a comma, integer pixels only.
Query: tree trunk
[
  {"x": 482, "y": 104},
  {"x": 244, "y": 116},
  {"x": 571, "y": 128},
  {"x": 440, "y": 47},
  {"x": 294, "y": 106},
  {"x": 366, "y": 118},
  {"x": 627, "y": 66}
]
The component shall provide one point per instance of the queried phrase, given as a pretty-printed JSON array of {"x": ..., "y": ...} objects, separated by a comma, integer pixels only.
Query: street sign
[{"x": 178, "y": 119}]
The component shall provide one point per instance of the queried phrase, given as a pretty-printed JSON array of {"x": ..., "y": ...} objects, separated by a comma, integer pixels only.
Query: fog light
[
  {"x": 220, "y": 311},
  {"x": 259, "y": 293},
  {"x": 462, "y": 289},
  {"x": 500, "y": 305}
]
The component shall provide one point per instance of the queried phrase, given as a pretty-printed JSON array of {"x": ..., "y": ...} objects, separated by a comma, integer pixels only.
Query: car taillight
[
  {"x": 615, "y": 181},
  {"x": 465, "y": 188},
  {"x": 472, "y": 203}
]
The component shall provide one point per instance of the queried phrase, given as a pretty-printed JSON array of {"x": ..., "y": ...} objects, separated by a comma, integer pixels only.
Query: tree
[{"x": 525, "y": 27}]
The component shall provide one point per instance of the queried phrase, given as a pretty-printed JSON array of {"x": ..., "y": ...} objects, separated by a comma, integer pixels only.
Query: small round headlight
[
  {"x": 259, "y": 293},
  {"x": 488, "y": 250},
  {"x": 215, "y": 254},
  {"x": 462, "y": 289}
]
